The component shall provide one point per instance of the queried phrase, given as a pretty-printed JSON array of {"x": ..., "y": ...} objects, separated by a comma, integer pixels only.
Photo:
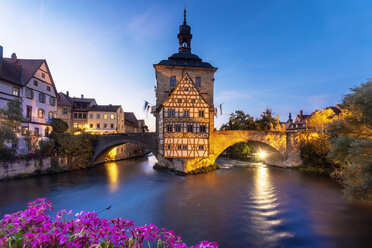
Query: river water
[{"x": 240, "y": 205}]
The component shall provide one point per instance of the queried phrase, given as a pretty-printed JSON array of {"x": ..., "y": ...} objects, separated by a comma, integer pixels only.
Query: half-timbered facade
[{"x": 185, "y": 122}]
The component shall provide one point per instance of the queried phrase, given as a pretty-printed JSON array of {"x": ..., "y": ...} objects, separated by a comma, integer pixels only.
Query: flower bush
[{"x": 33, "y": 228}]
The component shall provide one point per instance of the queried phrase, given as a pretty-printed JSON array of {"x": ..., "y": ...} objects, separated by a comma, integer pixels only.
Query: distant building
[
  {"x": 131, "y": 123},
  {"x": 29, "y": 80},
  {"x": 106, "y": 119},
  {"x": 301, "y": 120},
  {"x": 74, "y": 110}
]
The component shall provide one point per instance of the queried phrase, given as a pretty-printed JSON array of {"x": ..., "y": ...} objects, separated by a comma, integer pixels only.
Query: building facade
[
  {"x": 30, "y": 81},
  {"x": 184, "y": 107},
  {"x": 104, "y": 119},
  {"x": 74, "y": 110}
]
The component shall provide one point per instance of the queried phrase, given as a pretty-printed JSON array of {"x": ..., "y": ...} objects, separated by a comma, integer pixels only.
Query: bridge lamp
[{"x": 262, "y": 154}]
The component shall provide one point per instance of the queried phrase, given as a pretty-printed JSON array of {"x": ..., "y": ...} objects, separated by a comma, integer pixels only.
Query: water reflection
[
  {"x": 241, "y": 205},
  {"x": 112, "y": 174},
  {"x": 265, "y": 205}
]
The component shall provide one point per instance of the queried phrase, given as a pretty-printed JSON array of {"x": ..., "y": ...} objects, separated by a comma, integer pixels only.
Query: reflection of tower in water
[{"x": 265, "y": 207}]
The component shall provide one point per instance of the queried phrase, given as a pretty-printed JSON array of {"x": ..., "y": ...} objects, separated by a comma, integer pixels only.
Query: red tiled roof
[{"x": 11, "y": 71}]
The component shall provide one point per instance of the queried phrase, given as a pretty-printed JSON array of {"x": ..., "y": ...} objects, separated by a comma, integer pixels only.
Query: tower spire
[
  {"x": 184, "y": 16},
  {"x": 184, "y": 36}
]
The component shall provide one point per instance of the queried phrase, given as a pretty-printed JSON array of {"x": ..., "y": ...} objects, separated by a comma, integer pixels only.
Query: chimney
[
  {"x": 14, "y": 57},
  {"x": 301, "y": 114},
  {"x": 82, "y": 96},
  {"x": 67, "y": 93},
  {"x": 1, "y": 52}
]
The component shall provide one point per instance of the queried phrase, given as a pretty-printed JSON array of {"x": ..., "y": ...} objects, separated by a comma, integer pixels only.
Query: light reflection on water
[
  {"x": 112, "y": 174},
  {"x": 241, "y": 205}
]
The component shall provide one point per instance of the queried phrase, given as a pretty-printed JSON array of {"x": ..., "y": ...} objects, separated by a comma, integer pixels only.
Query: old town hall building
[{"x": 184, "y": 106}]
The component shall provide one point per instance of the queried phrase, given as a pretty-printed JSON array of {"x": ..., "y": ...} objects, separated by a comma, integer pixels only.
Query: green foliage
[
  {"x": 240, "y": 121},
  {"x": 46, "y": 147},
  {"x": 59, "y": 126},
  {"x": 10, "y": 123},
  {"x": 266, "y": 120},
  {"x": 314, "y": 150},
  {"x": 351, "y": 143},
  {"x": 79, "y": 146}
]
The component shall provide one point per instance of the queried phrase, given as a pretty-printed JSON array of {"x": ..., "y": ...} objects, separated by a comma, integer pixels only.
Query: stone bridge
[
  {"x": 280, "y": 147},
  {"x": 109, "y": 141}
]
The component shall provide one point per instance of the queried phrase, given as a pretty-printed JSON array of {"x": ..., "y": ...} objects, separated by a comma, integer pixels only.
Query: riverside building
[{"x": 30, "y": 81}]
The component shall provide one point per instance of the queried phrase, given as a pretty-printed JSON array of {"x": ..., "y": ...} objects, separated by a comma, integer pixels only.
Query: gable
[{"x": 185, "y": 95}]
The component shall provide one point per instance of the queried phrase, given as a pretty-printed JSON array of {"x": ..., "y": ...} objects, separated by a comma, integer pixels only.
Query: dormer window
[{"x": 173, "y": 81}]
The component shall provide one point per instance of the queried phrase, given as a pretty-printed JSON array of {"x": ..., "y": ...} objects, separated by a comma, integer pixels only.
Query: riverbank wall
[{"x": 25, "y": 167}]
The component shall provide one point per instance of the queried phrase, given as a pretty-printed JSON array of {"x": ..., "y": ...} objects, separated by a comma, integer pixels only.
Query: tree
[
  {"x": 351, "y": 143},
  {"x": 240, "y": 121},
  {"x": 10, "y": 124},
  {"x": 59, "y": 125},
  {"x": 266, "y": 120}
]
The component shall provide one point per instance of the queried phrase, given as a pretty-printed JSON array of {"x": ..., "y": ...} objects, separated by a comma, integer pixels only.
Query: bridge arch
[
  {"x": 274, "y": 142},
  {"x": 107, "y": 142}
]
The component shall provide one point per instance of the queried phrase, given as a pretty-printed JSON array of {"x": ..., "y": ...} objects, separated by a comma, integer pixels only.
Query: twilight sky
[{"x": 285, "y": 55}]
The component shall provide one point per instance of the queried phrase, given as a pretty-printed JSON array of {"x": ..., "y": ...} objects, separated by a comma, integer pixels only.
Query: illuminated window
[
  {"x": 184, "y": 147},
  {"x": 177, "y": 128},
  {"x": 24, "y": 131},
  {"x": 41, "y": 113},
  {"x": 190, "y": 128},
  {"x": 203, "y": 129},
  {"x": 198, "y": 81},
  {"x": 50, "y": 115},
  {"x": 173, "y": 81},
  {"x": 179, "y": 147},
  {"x": 201, "y": 113},
  {"x": 65, "y": 111},
  {"x": 171, "y": 113},
  {"x": 169, "y": 128},
  {"x": 201, "y": 147},
  {"x": 35, "y": 83},
  {"x": 75, "y": 125},
  {"x": 15, "y": 91},
  {"x": 112, "y": 116},
  {"x": 186, "y": 113},
  {"x": 105, "y": 116}
]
